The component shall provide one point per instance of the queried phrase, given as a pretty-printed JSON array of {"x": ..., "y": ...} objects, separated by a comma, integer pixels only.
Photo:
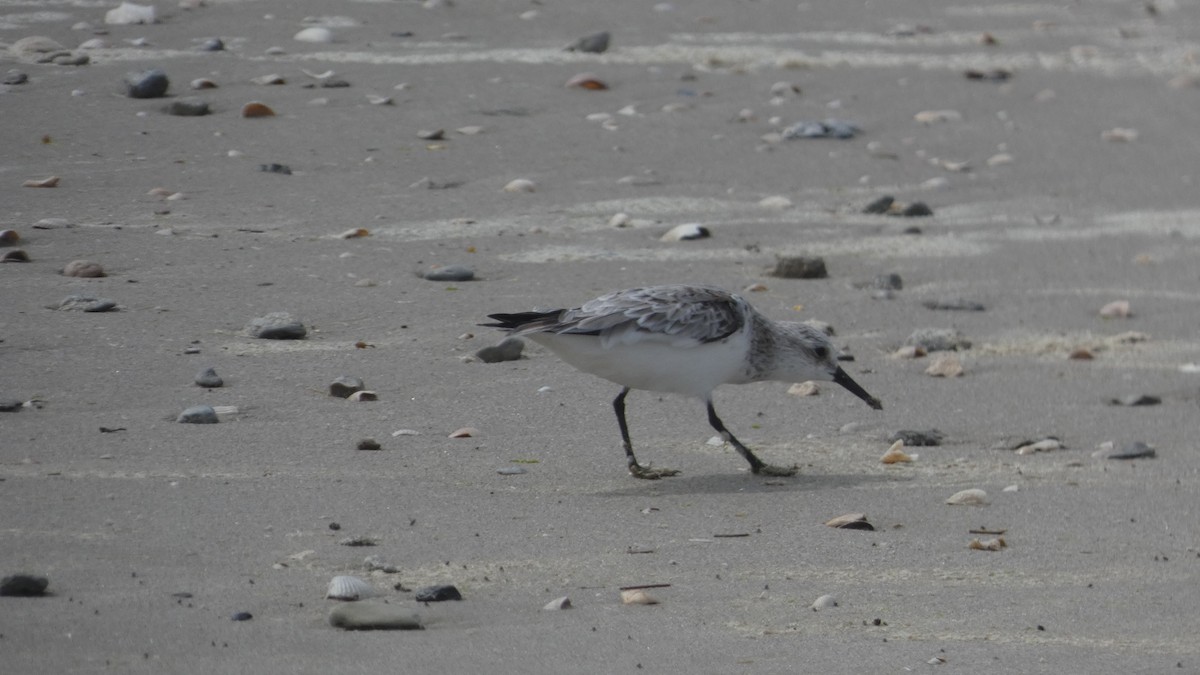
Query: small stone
[
  {"x": 887, "y": 282},
  {"x": 208, "y": 378},
  {"x": 686, "y": 232},
  {"x": 911, "y": 438},
  {"x": 1081, "y": 354},
  {"x": 11, "y": 405},
  {"x": 945, "y": 365},
  {"x": 314, "y": 34},
  {"x": 775, "y": 203},
  {"x": 151, "y": 83},
  {"x": 512, "y": 471},
  {"x": 257, "y": 109},
  {"x": 449, "y": 273},
  {"x": 86, "y": 303},
  {"x": 269, "y": 80},
  {"x": 276, "y": 326},
  {"x": 596, "y": 43},
  {"x": 84, "y": 269},
  {"x": 23, "y": 585},
  {"x": 212, "y": 45},
  {"x": 359, "y": 541},
  {"x": 282, "y": 169},
  {"x": 509, "y": 349},
  {"x": 345, "y": 385},
  {"x": 850, "y": 521},
  {"x": 433, "y": 135},
  {"x": 916, "y": 210},
  {"x": 128, "y": 13},
  {"x": 198, "y": 414},
  {"x": 824, "y": 602},
  {"x": 954, "y": 305},
  {"x": 9, "y": 237},
  {"x": 1135, "y": 450},
  {"x": 188, "y": 106},
  {"x": 996, "y": 544},
  {"x": 909, "y": 352},
  {"x": 938, "y": 339},
  {"x": 372, "y": 615},
  {"x": 31, "y": 47},
  {"x": 1135, "y": 400},
  {"x": 971, "y": 497},
  {"x": 368, "y": 444},
  {"x": 879, "y": 205},
  {"x": 1118, "y": 309},
  {"x": 14, "y": 77},
  {"x": 637, "y": 596},
  {"x": 437, "y": 594},
  {"x": 800, "y": 267},
  {"x": 558, "y": 603},
  {"x": 520, "y": 185},
  {"x": 827, "y": 128}
]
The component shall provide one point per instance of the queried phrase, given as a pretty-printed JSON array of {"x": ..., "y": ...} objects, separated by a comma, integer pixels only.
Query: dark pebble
[
  {"x": 828, "y": 128},
  {"x": 438, "y": 594},
  {"x": 334, "y": 83},
  {"x": 509, "y": 349},
  {"x": 198, "y": 414},
  {"x": 994, "y": 75},
  {"x": 276, "y": 326},
  {"x": 24, "y": 585},
  {"x": 800, "y": 267},
  {"x": 15, "y": 77},
  {"x": 276, "y": 168},
  {"x": 345, "y": 385},
  {"x": 449, "y": 273},
  {"x": 1136, "y": 450},
  {"x": 887, "y": 282},
  {"x": 359, "y": 541},
  {"x": 918, "y": 438},
  {"x": 335, "y": 526},
  {"x": 880, "y": 205},
  {"x": 188, "y": 106},
  {"x": 596, "y": 43},
  {"x": 212, "y": 45},
  {"x": 511, "y": 471},
  {"x": 242, "y": 616},
  {"x": 151, "y": 83},
  {"x": 1135, "y": 400},
  {"x": 954, "y": 305},
  {"x": 916, "y": 210},
  {"x": 11, "y": 405},
  {"x": 369, "y": 444},
  {"x": 209, "y": 378}
]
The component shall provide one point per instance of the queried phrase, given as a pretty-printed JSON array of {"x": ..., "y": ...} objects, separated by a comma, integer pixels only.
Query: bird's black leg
[
  {"x": 756, "y": 465},
  {"x": 636, "y": 469}
]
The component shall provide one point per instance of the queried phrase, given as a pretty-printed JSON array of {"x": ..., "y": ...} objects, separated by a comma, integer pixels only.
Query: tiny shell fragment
[
  {"x": 520, "y": 185},
  {"x": 1044, "y": 445},
  {"x": 1119, "y": 135},
  {"x": 1117, "y": 309},
  {"x": 970, "y": 497},
  {"x": 364, "y": 395},
  {"x": 988, "y": 544},
  {"x": 824, "y": 602},
  {"x": 558, "y": 603},
  {"x": 50, "y": 182},
  {"x": 637, "y": 596},
  {"x": 465, "y": 432},
  {"x": 945, "y": 365},
  {"x": 586, "y": 81},
  {"x": 851, "y": 521},
  {"x": 896, "y": 454},
  {"x": 808, "y": 388},
  {"x": 356, "y": 233},
  {"x": 257, "y": 109}
]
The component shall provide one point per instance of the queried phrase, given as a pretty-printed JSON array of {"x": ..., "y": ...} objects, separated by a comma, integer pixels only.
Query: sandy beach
[{"x": 1054, "y": 143}]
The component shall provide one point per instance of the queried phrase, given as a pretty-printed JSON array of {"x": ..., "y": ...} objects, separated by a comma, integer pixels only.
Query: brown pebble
[
  {"x": 9, "y": 237},
  {"x": 850, "y": 521},
  {"x": 256, "y": 109},
  {"x": 83, "y": 268},
  {"x": 369, "y": 444},
  {"x": 1081, "y": 354}
]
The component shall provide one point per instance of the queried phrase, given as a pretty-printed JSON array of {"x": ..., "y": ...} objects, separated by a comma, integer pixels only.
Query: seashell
[
  {"x": 988, "y": 544},
  {"x": 269, "y": 79},
  {"x": 346, "y": 385},
  {"x": 50, "y": 182},
  {"x": 364, "y": 395},
  {"x": 520, "y": 185},
  {"x": 970, "y": 497},
  {"x": 9, "y": 237},
  {"x": 775, "y": 203},
  {"x": 945, "y": 365},
  {"x": 1117, "y": 309},
  {"x": 84, "y": 269},
  {"x": 586, "y": 81},
  {"x": 1044, "y": 445},
  {"x": 637, "y": 596},
  {"x": 824, "y": 602},
  {"x": 896, "y": 454},
  {"x": 203, "y": 83},
  {"x": 355, "y": 233},
  {"x": 999, "y": 159},
  {"x": 758, "y": 287},
  {"x": 257, "y": 109},
  {"x": 440, "y": 593},
  {"x": 374, "y": 99},
  {"x": 316, "y": 34},
  {"x": 406, "y": 432},
  {"x": 465, "y": 432},
  {"x": 909, "y": 352},
  {"x": 558, "y": 603},
  {"x": 850, "y": 521},
  {"x": 619, "y": 220},
  {"x": 808, "y": 388},
  {"x": 431, "y": 135},
  {"x": 1081, "y": 354},
  {"x": 470, "y": 130},
  {"x": 349, "y": 588},
  {"x": 686, "y": 232},
  {"x": 15, "y": 255}
]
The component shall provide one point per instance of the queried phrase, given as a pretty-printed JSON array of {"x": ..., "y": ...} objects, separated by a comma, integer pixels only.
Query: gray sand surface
[{"x": 1101, "y": 573}]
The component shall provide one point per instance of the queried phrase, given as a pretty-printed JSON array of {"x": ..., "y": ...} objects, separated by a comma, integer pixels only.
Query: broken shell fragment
[
  {"x": 257, "y": 109},
  {"x": 808, "y": 388},
  {"x": 1118, "y": 309},
  {"x": 586, "y": 81},
  {"x": 686, "y": 232},
  {"x": 851, "y": 521},
  {"x": 50, "y": 182},
  {"x": 969, "y": 497},
  {"x": 637, "y": 596},
  {"x": 1044, "y": 445},
  {"x": 945, "y": 365},
  {"x": 83, "y": 268},
  {"x": 520, "y": 185},
  {"x": 988, "y": 544},
  {"x": 824, "y": 602},
  {"x": 349, "y": 588},
  {"x": 356, "y": 233},
  {"x": 896, "y": 454},
  {"x": 465, "y": 432},
  {"x": 558, "y": 603},
  {"x": 364, "y": 395}
]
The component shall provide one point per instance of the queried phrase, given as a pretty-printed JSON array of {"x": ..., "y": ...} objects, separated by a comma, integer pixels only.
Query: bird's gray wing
[{"x": 680, "y": 315}]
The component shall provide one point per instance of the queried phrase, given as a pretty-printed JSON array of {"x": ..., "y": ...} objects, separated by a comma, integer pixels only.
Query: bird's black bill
[{"x": 846, "y": 381}]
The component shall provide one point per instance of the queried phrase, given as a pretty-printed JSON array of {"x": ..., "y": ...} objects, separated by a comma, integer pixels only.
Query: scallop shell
[
  {"x": 973, "y": 497},
  {"x": 349, "y": 588},
  {"x": 896, "y": 454}
]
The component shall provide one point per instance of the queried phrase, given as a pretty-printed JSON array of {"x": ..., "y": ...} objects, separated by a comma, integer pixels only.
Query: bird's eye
[{"x": 822, "y": 352}]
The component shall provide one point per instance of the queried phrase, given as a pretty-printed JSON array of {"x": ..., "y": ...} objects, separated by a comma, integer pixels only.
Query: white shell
[
  {"x": 349, "y": 588},
  {"x": 824, "y": 602},
  {"x": 318, "y": 34},
  {"x": 520, "y": 185},
  {"x": 973, "y": 496},
  {"x": 636, "y": 596}
]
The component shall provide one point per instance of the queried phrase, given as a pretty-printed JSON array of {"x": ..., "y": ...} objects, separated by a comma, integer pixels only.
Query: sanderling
[{"x": 684, "y": 340}]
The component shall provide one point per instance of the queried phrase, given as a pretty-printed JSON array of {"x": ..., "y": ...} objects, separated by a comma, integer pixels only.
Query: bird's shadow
[{"x": 744, "y": 484}]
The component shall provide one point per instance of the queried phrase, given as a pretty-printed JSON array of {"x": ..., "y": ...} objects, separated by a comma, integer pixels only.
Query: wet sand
[{"x": 1102, "y": 557}]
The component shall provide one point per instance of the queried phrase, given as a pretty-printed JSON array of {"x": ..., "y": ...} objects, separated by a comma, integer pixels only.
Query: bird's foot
[
  {"x": 646, "y": 473},
  {"x": 772, "y": 470}
]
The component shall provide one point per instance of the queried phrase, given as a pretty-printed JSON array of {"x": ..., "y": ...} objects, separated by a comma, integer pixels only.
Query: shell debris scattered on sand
[{"x": 349, "y": 588}]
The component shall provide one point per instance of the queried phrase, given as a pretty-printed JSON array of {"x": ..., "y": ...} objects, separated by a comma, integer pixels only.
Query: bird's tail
[{"x": 524, "y": 322}]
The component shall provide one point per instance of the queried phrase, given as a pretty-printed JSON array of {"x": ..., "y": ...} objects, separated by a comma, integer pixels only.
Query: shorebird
[{"x": 685, "y": 340}]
